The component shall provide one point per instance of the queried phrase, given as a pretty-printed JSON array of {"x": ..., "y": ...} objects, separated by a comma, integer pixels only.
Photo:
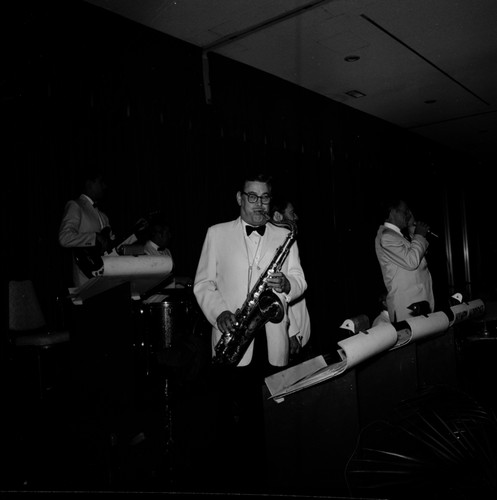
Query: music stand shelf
[{"x": 143, "y": 272}]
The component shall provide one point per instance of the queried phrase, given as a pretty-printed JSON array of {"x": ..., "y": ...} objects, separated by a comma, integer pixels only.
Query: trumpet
[{"x": 431, "y": 233}]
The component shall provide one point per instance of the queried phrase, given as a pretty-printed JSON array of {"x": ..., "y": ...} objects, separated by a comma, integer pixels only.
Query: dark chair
[{"x": 30, "y": 338}]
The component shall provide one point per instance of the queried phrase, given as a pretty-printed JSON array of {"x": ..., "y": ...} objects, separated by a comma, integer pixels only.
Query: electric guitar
[{"x": 89, "y": 259}]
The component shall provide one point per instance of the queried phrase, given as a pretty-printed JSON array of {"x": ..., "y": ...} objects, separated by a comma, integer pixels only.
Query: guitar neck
[{"x": 132, "y": 238}]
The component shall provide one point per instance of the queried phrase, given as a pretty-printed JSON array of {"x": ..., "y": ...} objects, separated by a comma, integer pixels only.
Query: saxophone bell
[{"x": 270, "y": 307}]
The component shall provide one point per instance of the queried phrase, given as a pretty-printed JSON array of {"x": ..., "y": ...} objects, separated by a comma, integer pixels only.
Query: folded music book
[{"x": 352, "y": 351}]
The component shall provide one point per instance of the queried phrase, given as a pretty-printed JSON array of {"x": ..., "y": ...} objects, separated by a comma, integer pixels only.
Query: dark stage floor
[{"x": 63, "y": 442}]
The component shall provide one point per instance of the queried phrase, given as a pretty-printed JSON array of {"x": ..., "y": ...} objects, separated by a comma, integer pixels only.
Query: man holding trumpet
[{"x": 402, "y": 261}]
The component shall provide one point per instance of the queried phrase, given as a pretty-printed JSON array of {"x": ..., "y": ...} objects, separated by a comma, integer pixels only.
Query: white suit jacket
[
  {"x": 80, "y": 223},
  {"x": 221, "y": 280},
  {"x": 300, "y": 321},
  {"x": 405, "y": 271}
]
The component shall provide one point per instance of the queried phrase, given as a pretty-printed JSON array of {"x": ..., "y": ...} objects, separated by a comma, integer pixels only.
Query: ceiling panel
[{"x": 411, "y": 51}]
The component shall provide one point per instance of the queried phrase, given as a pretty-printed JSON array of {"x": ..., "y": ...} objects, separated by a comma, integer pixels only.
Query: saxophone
[{"x": 262, "y": 305}]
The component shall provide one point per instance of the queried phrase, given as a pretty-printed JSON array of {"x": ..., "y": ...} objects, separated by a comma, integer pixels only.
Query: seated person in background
[
  {"x": 159, "y": 238},
  {"x": 383, "y": 316},
  {"x": 157, "y": 242},
  {"x": 282, "y": 210}
]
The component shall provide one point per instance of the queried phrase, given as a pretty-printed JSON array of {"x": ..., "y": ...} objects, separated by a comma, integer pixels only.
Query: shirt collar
[
  {"x": 394, "y": 227},
  {"x": 88, "y": 198},
  {"x": 244, "y": 225}
]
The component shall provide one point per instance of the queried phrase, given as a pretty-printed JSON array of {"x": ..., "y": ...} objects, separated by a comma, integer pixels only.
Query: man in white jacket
[
  {"x": 84, "y": 226},
  {"x": 233, "y": 257},
  {"x": 403, "y": 263},
  {"x": 231, "y": 262}
]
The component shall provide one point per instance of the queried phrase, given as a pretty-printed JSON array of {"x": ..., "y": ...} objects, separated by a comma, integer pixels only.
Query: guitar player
[
  {"x": 102, "y": 329},
  {"x": 87, "y": 231},
  {"x": 84, "y": 226}
]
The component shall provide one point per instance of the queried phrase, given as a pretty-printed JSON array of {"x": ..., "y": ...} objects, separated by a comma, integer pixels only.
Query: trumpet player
[
  {"x": 234, "y": 256},
  {"x": 402, "y": 260}
]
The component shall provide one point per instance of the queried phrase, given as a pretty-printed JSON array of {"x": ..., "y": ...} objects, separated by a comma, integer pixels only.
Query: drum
[
  {"x": 167, "y": 321},
  {"x": 165, "y": 327}
]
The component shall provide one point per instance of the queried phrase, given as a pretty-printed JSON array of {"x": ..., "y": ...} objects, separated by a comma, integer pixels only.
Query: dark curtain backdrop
[{"x": 83, "y": 85}]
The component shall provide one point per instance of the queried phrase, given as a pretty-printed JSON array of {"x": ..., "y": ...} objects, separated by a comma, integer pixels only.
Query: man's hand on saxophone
[
  {"x": 278, "y": 282},
  {"x": 226, "y": 322}
]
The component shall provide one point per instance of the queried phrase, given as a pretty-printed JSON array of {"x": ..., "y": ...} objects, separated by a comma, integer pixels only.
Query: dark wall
[{"x": 83, "y": 85}]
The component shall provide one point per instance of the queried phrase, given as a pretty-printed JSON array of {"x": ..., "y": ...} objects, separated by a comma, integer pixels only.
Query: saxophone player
[{"x": 234, "y": 256}]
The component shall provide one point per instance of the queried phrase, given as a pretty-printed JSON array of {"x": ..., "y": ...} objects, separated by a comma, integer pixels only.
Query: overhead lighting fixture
[
  {"x": 351, "y": 58},
  {"x": 355, "y": 93}
]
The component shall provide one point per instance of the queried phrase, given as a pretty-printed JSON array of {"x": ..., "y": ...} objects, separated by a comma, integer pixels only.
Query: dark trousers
[{"x": 240, "y": 420}]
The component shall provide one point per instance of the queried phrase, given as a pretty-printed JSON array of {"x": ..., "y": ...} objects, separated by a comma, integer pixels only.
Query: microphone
[{"x": 431, "y": 233}]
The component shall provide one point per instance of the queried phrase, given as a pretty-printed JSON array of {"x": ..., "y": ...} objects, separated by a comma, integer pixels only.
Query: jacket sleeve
[
  {"x": 293, "y": 327},
  {"x": 205, "y": 286},
  {"x": 401, "y": 252},
  {"x": 295, "y": 275},
  {"x": 69, "y": 230}
]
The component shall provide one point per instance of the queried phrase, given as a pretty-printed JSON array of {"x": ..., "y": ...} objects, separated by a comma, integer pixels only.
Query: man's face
[
  {"x": 290, "y": 214},
  {"x": 401, "y": 215},
  {"x": 98, "y": 187},
  {"x": 163, "y": 237},
  {"x": 256, "y": 213}
]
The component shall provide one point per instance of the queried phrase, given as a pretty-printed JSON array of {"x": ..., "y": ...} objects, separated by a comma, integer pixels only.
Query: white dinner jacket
[
  {"x": 300, "y": 321},
  {"x": 80, "y": 223},
  {"x": 221, "y": 280},
  {"x": 405, "y": 271}
]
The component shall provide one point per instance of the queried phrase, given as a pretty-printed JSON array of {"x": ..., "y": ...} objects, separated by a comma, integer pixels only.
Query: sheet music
[
  {"x": 366, "y": 344},
  {"x": 143, "y": 272},
  {"x": 324, "y": 373},
  {"x": 279, "y": 381},
  {"x": 352, "y": 350}
]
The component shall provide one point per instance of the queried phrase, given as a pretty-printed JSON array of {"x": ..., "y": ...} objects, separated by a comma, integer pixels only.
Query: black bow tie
[{"x": 260, "y": 229}]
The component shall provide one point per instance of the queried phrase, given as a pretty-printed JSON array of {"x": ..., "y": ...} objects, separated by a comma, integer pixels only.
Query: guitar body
[{"x": 90, "y": 261}]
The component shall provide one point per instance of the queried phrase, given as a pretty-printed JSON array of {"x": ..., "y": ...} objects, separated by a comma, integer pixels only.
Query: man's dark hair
[
  {"x": 90, "y": 172},
  {"x": 157, "y": 222},
  {"x": 388, "y": 204},
  {"x": 279, "y": 204},
  {"x": 256, "y": 177}
]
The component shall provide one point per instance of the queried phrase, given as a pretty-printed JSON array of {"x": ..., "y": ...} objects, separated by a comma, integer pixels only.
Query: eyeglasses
[{"x": 253, "y": 198}]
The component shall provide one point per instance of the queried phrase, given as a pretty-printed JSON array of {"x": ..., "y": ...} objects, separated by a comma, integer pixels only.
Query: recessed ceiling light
[
  {"x": 431, "y": 101},
  {"x": 351, "y": 58},
  {"x": 355, "y": 93}
]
